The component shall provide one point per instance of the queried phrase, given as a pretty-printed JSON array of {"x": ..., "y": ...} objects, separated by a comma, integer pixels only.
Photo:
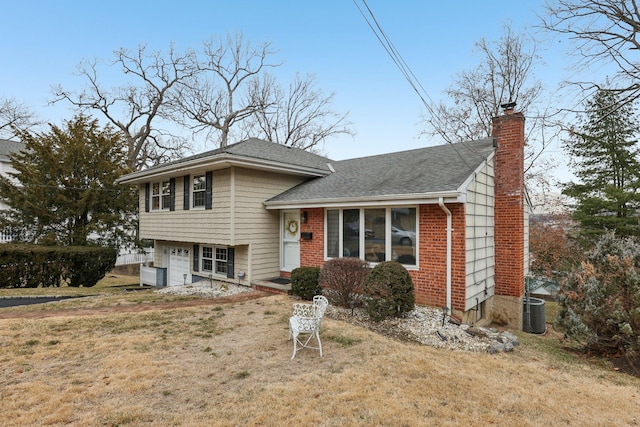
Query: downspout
[{"x": 448, "y": 213}]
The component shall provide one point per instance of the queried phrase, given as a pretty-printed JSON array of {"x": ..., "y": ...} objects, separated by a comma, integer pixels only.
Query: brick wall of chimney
[{"x": 509, "y": 211}]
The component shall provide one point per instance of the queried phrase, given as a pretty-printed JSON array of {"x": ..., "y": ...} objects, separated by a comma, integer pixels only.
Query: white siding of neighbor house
[
  {"x": 5, "y": 169},
  {"x": 237, "y": 219},
  {"x": 480, "y": 256}
]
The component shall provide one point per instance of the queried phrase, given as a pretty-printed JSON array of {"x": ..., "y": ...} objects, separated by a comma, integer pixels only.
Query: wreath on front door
[{"x": 292, "y": 226}]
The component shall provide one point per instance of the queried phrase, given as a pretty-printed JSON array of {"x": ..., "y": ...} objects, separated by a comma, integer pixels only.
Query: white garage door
[{"x": 179, "y": 266}]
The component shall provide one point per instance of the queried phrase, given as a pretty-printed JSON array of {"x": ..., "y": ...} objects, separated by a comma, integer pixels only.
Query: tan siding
[
  {"x": 256, "y": 225},
  {"x": 193, "y": 225},
  {"x": 480, "y": 257},
  {"x": 256, "y": 231}
]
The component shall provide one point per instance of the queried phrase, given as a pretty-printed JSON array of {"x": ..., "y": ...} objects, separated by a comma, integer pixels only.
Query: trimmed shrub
[
  {"x": 305, "y": 282},
  {"x": 343, "y": 280},
  {"x": 32, "y": 266},
  {"x": 388, "y": 291},
  {"x": 88, "y": 265},
  {"x": 600, "y": 301}
]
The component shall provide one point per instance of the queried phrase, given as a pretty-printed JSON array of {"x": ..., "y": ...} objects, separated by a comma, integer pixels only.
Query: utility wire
[
  {"x": 405, "y": 69},
  {"x": 396, "y": 57}
]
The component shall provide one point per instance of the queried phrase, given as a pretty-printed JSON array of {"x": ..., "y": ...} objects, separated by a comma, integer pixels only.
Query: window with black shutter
[
  {"x": 209, "y": 190},
  {"x": 186, "y": 188}
]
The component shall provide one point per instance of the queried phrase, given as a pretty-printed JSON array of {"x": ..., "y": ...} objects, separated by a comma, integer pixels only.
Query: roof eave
[
  {"x": 219, "y": 161},
  {"x": 396, "y": 199}
]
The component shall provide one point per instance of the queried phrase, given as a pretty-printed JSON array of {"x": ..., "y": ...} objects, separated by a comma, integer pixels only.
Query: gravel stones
[{"x": 425, "y": 325}]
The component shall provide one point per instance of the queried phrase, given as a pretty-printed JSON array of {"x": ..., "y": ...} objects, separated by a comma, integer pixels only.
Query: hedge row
[{"x": 31, "y": 266}]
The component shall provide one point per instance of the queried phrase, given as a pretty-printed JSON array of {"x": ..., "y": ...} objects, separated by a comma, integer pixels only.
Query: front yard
[{"x": 229, "y": 364}]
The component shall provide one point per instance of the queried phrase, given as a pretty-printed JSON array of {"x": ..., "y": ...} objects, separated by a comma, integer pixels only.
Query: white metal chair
[{"x": 306, "y": 320}]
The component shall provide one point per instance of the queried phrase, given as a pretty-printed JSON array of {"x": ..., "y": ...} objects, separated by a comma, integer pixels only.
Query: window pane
[
  {"x": 403, "y": 235},
  {"x": 221, "y": 260},
  {"x": 207, "y": 252},
  {"x": 166, "y": 194},
  {"x": 199, "y": 190},
  {"x": 221, "y": 254},
  {"x": 166, "y": 200},
  {"x": 221, "y": 267},
  {"x": 199, "y": 182},
  {"x": 198, "y": 198},
  {"x": 351, "y": 233},
  {"x": 207, "y": 258},
  {"x": 374, "y": 235},
  {"x": 333, "y": 233}
]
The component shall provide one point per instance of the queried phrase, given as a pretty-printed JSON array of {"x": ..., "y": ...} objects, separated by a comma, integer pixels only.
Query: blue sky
[{"x": 42, "y": 42}]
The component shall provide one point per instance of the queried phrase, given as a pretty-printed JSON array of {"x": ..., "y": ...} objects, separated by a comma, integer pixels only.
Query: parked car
[{"x": 402, "y": 237}]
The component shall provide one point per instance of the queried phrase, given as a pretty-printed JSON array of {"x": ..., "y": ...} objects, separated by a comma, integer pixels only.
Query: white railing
[
  {"x": 7, "y": 235},
  {"x": 135, "y": 257}
]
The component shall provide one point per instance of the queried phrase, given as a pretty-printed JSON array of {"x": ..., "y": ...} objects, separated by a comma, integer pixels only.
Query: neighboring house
[
  {"x": 455, "y": 216},
  {"x": 7, "y": 147}
]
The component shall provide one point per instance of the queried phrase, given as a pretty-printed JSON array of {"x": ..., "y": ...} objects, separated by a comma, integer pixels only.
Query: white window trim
[
  {"x": 193, "y": 191},
  {"x": 216, "y": 260},
  {"x": 213, "y": 259},
  {"x": 203, "y": 258},
  {"x": 361, "y": 234},
  {"x": 160, "y": 195}
]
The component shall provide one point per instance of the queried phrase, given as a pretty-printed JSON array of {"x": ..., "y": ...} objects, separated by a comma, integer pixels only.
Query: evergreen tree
[
  {"x": 64, "y": 190},
  {"x": 604, "y": 158}
]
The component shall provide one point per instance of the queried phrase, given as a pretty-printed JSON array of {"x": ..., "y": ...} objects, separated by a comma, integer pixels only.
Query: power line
[
  {"x": 405, "y": 69},
  {"x": 396, "y": 57}
]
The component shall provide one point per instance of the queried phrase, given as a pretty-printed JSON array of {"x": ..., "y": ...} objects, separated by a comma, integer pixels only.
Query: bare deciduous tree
[
  {"x": 232, "y": 94},
  {"x": 15, "y": 115},
  {"x": 505, "y": 74},
  {"x": 300, "y": 117},
  {"x": 226, "y": 89},
  {"x": 211, "y": 92},
  {"x": 604, "y": 32},
  {"x": 136, "y": 107}
]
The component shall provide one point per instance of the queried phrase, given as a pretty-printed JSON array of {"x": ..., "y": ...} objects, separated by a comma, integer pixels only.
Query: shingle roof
[
  {"x": 422, "y": 171},
  {"x": 260, "y": 150},
  {"x": 7, "y": 147}
]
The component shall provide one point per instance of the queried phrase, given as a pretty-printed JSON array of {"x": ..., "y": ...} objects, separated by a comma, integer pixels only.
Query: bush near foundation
[
  {"x": 600, "y": 301},
  {"x": 388, "y": 291},
  {"x": 343, "y": 280},
  {"x": 305, "y": 282},
  {"x": 32, "y": 266}
]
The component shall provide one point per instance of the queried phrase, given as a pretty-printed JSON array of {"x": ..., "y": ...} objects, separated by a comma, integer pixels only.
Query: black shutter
[
  {"x": 209, "y": 191},
  {"x": 147, "y": 195},
  {"x": 172, "y": 194},
  {"x": 187, "y": 190},
  {"x": 230, "y": 262},
  {"x": 196, "y": 260}
]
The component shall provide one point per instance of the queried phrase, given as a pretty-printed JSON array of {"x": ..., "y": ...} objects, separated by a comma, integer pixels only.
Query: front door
[
  {"x": 179, "y": 266},
  {"x": 290, "y": 240}
]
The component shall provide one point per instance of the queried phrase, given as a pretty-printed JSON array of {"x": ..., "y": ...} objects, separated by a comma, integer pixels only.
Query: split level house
[{"x": 455, "y": 215}]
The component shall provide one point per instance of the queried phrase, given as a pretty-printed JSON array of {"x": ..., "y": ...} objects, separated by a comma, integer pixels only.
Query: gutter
[
  {"x": 449, "y": 242},
  {"x": 225, "y": 160},
  {"x": 358, "y": 201}
]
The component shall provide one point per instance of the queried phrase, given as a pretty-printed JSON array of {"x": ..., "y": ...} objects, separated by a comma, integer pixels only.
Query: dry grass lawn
[{"x": 229, "y": 364}]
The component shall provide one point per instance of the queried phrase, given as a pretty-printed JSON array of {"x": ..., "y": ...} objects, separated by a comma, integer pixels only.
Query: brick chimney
[{"x": 509, "y": 217}]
